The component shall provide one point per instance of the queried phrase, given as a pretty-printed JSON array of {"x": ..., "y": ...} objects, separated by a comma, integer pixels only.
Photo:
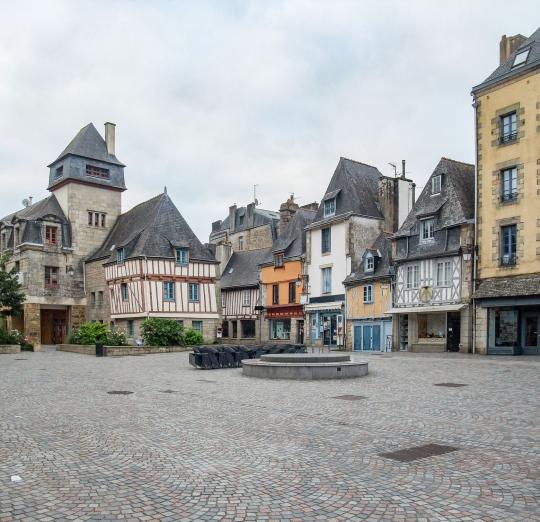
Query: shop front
[
  {"x": 285, "y": 323},
  {"x": 326, "y": 325},
  {"x": 513, "y": 330},
  {"x": 372, "y": 336}
]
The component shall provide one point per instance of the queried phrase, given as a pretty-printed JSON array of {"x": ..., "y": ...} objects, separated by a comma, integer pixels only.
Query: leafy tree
[
  {"x": 11, "y": 293},
  {"x": 162, "y": 332}
]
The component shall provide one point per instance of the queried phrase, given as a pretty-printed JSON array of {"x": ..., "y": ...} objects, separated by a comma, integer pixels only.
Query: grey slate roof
[
  {"x": 242, "y": 270},
  {"x": 506, "y": 70},
  {"x": 382, "y": 247},
  {"x": 452, "y": 207},
  {"x": 517, "y": 286},
  {"x": 153, "y": 228},
  {"x": 30, "y": 221},
  {"x": 454, "y": 204},
  {"x": 88, "y": 143},
  {"x": 355, "y": 186},
  {"x": 292, "y": 239},
  {"x": 260, "y": 217}
]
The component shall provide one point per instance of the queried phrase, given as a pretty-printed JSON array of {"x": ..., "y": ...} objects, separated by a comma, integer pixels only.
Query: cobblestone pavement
[{"x": 220, "y": 446}]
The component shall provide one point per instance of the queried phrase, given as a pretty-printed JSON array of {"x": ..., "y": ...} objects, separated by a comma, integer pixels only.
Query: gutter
[{"x": 475, "y": 250}]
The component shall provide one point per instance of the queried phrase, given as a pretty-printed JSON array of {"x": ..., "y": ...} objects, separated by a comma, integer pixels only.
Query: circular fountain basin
[{"x": 304, "y": 366}]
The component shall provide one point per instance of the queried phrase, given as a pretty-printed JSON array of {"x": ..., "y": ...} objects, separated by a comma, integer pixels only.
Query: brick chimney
[
  {"x": 110, "y": 137},
  {"x": 396, "y": 198},
  {"x": 286, "y": 212},
  {"x": 508, "y": 45},
  {"x": 232, "y": 218}
]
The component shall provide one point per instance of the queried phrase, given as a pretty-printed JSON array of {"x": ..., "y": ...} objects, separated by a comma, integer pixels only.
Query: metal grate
[
  {"x": 119, "y": 392},
  {"x": 450, "y": 384},
  {"x": 349, "y": 397},
  {"x": 418, "y": 452}
]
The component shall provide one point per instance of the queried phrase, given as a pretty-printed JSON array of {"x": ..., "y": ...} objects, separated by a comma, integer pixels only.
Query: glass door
[{"x": 531, "y": 339}]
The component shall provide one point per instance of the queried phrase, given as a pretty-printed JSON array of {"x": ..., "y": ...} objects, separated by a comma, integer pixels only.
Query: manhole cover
[
  {"x": 168, "y": 391},
  {"x": 349, "y": 397},
  {"x": 418, "y": 452},
  {"x": 450, "y": 384},
  {"x": 119, "y": 392}
]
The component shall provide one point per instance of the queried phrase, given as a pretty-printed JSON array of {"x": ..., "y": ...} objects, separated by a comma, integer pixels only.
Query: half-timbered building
[
  {"x": 240, "y": 297},
  {"x": 432, "y": 252},
  {"x": 154, "y": 266}
]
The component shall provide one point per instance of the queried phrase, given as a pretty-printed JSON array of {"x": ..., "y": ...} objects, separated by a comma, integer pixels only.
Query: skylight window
[{"x": 521, "y": 58}]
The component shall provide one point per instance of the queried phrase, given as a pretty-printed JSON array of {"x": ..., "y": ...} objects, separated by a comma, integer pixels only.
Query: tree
[{"x": 11, "y": 293}]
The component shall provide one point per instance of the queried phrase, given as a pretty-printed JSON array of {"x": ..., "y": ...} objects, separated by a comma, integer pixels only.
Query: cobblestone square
[{"x": 215, "y": 445}]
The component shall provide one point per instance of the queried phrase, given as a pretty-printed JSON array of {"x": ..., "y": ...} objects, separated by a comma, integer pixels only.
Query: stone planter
[
  {"x": 10, "y": 348},
  {"x": 120, "y": 351}
]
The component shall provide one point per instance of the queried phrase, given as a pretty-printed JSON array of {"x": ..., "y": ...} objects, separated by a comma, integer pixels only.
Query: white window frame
[
  {"x": 443, "y": 273},
  {"x": 329, "y": 207},
  {"x": 246, "y": 298},
  {"x": 436, "y": 184},
  {"x": 412, "y": 279},
  {"x": 367, "y": 296},
  {"x": 326, "y": 283},
  {"x": 370, "y": 263},
  {"x": 523, "y": 56},
  {"x": 427, "y": 229}
]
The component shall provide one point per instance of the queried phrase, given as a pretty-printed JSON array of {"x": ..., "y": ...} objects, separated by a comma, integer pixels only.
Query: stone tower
[{"x": 88, "y": 180}]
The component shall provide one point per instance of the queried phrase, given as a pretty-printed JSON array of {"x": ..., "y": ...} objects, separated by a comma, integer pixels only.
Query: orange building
[{"x": 282, "y": 282}]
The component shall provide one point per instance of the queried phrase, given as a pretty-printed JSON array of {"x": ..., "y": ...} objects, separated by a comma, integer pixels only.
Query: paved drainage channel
[
  {"x": 119, "y": 392},
  {"x": 418, "y": 452},
  {"x": 349, "y": 397},
  {"x": 450, "y": 384}
]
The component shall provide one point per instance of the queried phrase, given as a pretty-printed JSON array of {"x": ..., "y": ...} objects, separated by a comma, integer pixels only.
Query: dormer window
[
  {"x": 427, "y": 228},
  {"x": 97, "y": 172},
  {"x": 51, "y": 235},
  {"x": 59, "y": 172},
  {"x": 370, "y": 263},
  {"x": 182, "y": 256},
  {"x": 240, "y": 221},
  {"x": 330, "y": 207},
  {"x": 521, "y": 58},
  {"x": 436, "y": 184},
  {"x": 278, "y": 260},
  {"x": 120, "y": 255}
]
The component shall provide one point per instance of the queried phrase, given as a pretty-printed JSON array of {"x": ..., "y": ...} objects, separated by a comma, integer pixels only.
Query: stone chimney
[
  {"x": 508, "y": 45},
  {"x": 311, "y": 206},
  {"x": 110, "y": 137},
  {"x": 286, "y": 212},
  {"x": 250, "y": 215},
  {"x": 232, "y": 218},
  {"x": 396, "y": 198}
]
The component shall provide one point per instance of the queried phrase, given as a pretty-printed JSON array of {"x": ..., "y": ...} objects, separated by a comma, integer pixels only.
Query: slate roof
[
  {"x": 455, "y": 203},
  {"x": 30, "y": 218},
  {"x": 292, "y": 239},
  {"x": 356, "y": 188},
  {"x": 153, "y": 228},
  {"x": 242, "y": 270},
  {"x": 89, "y": 143},
  {"x": 517, "y": 286},
  {"x": 383, "y": 265},
  {"x": 260, "y": 217},
  {"x": 506, "y": 70}
]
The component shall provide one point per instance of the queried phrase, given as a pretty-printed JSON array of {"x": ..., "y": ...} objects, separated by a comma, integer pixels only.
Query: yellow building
[
  {"x": 282, "y": 282},
  {"x": 507, "y": 106},
  {"x": 368, "y": 298}
]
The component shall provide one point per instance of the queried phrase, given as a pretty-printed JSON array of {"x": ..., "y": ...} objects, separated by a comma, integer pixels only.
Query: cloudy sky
[{"x": 211, "y": 98}]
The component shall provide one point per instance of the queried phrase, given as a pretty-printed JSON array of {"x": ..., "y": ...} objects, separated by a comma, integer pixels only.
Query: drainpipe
[{"x": 474, "y": 250}]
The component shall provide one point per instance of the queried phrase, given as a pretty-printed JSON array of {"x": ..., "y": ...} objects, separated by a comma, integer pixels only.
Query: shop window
[
  {"x": 248, "y": 328},
  {"x": 504, "y": 327},
  {"x": 280, "y": 329},
  {"x": 431, "y": 326}
]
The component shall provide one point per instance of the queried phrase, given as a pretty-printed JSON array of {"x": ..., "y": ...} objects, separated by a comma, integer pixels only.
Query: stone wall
[
  {"x": 253, "y": 238},
  {"x": 118, "y": 351},
  {"x": 481, "y": 330},
  {"x": 9, "y": 348},
  {"x": 32, "y": 323},
  {"x": 98, "y": 305},
  {"x": 77, "y": 317}
]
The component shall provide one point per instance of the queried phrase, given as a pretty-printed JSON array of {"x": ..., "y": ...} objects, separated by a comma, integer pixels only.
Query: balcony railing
[
  {"x": 508, "y": 260},
  {"x": 506, "y": 138},
  {"x": 509, "y": 196}
]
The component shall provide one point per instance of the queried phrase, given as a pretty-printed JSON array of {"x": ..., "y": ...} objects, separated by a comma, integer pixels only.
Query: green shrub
[
  {"x": 162, "y": 332},
  {"x": 116, "y": 337},
  {"x": 193, "y": 337},
  {"x": 92, "y": 333},
  {"x": 10, "y": 337}
]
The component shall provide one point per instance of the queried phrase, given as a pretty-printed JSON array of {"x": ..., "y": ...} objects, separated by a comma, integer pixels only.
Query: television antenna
[{"x": 255, "y": 200}]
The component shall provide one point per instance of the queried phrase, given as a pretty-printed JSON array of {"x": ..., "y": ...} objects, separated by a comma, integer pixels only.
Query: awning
[
  {"x": 317, "y": 307},
  {"x": 426, "y": 309}
]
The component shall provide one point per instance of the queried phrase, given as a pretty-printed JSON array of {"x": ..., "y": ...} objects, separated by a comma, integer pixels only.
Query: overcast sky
[{"x": 211, "y": 98}]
